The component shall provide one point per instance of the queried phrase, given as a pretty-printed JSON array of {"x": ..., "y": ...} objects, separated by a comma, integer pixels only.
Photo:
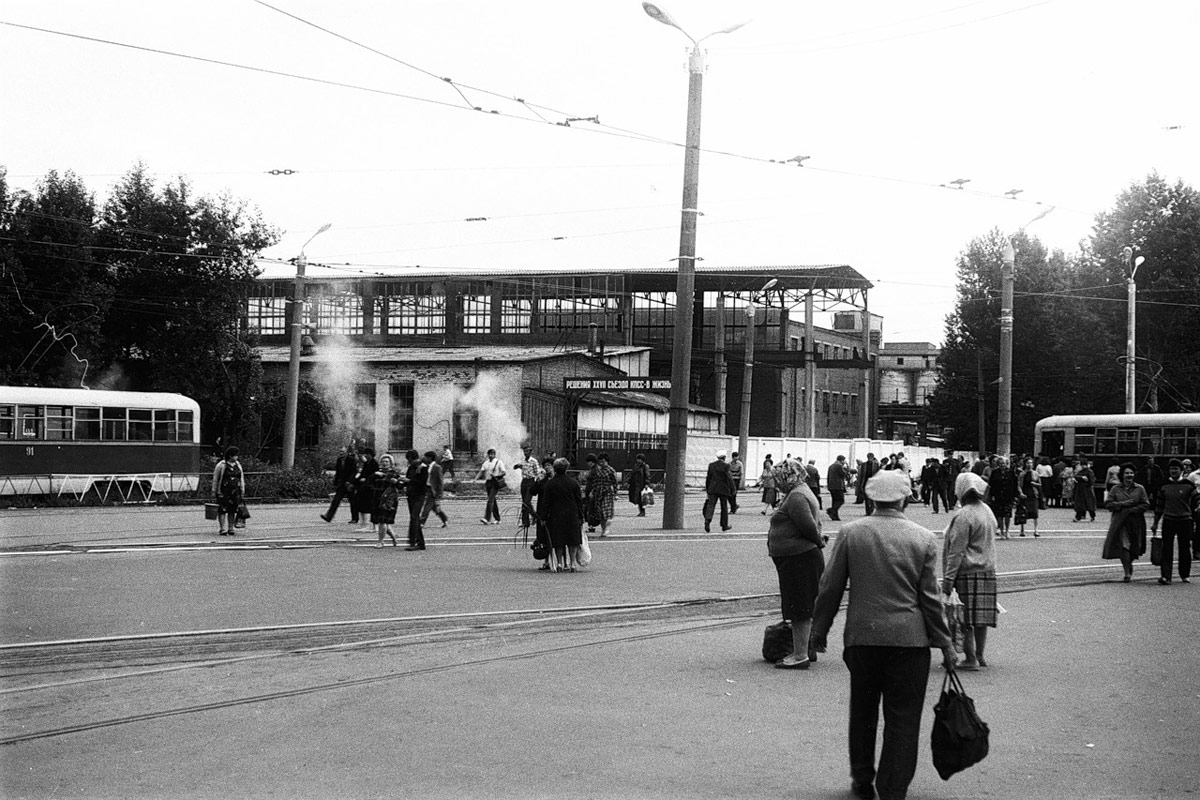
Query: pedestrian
[
  {"x": 1084, "y": 497},
  {"x": 434, "y": 490},
  {"x": 794, "y": 543},
  {"x": 602, "y": 490},
  {"x": 1002, "y": 494},
  {"x": 344, "y": 470},
  {"x": 927, "y": 480},
  {"x": 447, "y": 462},
  {"x": 812, "y": 479},
  {"x": 639, "y": 481},
  {"x": 894, "y": 616},
  {"x": 531, "y": 473},
  {"x": 718, "y": 488},
  {"x": 229, "y": 489},
  {"x": 1177, "y": 505},
  {"x": 836, "y": 479},
  {"x": 969, "y": 566},
  {"x": 1190, "y": 474},
  {"x": 868, "y": 470},
  {"x": 385, "y": 498},
  {"x": 540, "y": 508},
  {"x": 1128, "y": 501},
  {"x": 770, "y": 492},
  {"x": 735, "y": 474},
  {"x": 364, "y": 487},
  {"x": 1029, "y": 497},
  {"x": 1067, "y": 496},
  {"x": 416, "y": 485},
  {"x": 1045, "y": 476},
  {"x": 492, "y": 473},
  {"x": 560, "y": 505}
]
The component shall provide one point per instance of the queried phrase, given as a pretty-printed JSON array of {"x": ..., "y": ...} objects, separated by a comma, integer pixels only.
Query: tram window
[
  {"x": 1106, "y": 441},
  {"x": 30, "y": 421},
  {"x": 60, "y": 422},
  {"x": 8, "y": 419},
  {"x": 164, "y": 425},
  {"x": 1193, "y": 441},
  {"x": 1085, "y": 443},
  {"x": 87, "y": 424},
  {"x": 112, "y": 424},
  {"x": 140, "y": 425},
  {"x": 1174, "y": 441},
  {"x": 184, "y": 430},
  {"x": 1151, "y": 441},
  {"x": 1127, "y": 442}
]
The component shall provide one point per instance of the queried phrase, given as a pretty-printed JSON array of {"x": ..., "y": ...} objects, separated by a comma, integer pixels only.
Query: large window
[
  {"x": 267, "y": 315},
  {"x": 60, "y": 422},
  {"x": 87, "y": 424},
  {"x": 400, "y": 416},
  {"x": 30, "y": 422},
  {"x": 141, "y": 425},
  {"x": 8, "y": 423}
]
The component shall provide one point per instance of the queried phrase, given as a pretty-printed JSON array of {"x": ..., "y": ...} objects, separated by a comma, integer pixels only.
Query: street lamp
[
  {"x": 1004, "y": 403},
  {"x": 1130, "y": 357},
  {"x": 685, "y": 282},
  {"x": 748, "y": 372},
  {"x": 297, "y": 331}
]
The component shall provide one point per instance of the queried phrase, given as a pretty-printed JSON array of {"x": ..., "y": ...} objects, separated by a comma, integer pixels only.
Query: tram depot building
[{"x": 479, "y": 360}]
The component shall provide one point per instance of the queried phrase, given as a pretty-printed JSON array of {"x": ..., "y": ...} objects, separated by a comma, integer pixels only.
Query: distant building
[{"x": 907, "y": 378}]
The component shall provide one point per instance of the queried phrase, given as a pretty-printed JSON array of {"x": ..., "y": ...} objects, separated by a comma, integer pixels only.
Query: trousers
[
  {"x": 895, "y": 677},
  {"x": 1173, "y": 529}
]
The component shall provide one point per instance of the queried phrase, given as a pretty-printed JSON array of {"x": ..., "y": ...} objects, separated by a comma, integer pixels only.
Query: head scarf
[{"x": 789, "y": 473}]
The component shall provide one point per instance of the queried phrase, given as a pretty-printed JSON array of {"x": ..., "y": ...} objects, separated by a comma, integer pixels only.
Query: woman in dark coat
[
  {"x": 388, "y": 483},
  {"x": 1002, "y": 493},
  {"x": 560, "y": 505},
  {"x": 1126, "y": 538},
  {"x": 1084, "y": 497},
  {"x": 639, "y": 479},
  {"x": 364, "y": 487}
]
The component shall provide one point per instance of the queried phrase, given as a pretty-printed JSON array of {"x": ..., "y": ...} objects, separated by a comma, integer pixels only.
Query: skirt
[
  {"x": 770, "y": 496},
  {"x": 977, "y": 591},
  {"x": 799, "y": 580}
]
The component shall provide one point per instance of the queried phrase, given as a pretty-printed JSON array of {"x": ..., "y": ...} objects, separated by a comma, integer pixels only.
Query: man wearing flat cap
[
  {"x": 719, "y": 486},
  {"x": 894, "y": 616}
]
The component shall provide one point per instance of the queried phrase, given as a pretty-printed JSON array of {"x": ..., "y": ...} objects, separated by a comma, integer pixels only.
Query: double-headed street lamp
[
  {"x": 297, "y": 331},
  {"x": 685, "y": 283},
  {"x": 1132, "y": 265}
]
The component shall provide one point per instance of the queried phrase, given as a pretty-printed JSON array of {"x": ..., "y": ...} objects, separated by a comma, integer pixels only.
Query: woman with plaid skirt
[{"x": 969, "y": 565}]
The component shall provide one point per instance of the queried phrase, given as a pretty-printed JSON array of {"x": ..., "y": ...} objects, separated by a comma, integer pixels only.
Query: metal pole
[
  {"x": 1004, "y": 406},
  {"x": 1130, "y": 351},
  {"x": 747, "y": 384},
  {"x": 685, "y": 290},
  {"x": 719, "y": 368},
  {"x": 293, "y": 384}
]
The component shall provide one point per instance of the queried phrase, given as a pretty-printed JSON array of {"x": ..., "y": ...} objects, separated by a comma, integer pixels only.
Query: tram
[
  {"x": 1108, "y": 439},
  {"x": 71, "y": 441}
]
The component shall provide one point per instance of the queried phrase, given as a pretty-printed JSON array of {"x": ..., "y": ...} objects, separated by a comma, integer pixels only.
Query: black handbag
[
  {"x": 1156, "y": 551},
  {"x": 541, "y": 549},
  {"x": 960, "y": 737}
]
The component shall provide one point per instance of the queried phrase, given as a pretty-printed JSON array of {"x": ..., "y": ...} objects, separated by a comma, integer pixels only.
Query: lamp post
[
  {"x": 1132, "y": 265},
  {"x": 685, "y": 282},
  {"x": 297, "y": 331},
  {"x": 748, "y": 373},
  {"x": 1004, "y": 404}
]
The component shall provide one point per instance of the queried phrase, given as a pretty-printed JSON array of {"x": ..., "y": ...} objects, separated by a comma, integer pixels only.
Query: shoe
[
  {"x": 363, "y": 529},
  {"x": 1036, "y": 535},
  {"x": 414, "y": 547},
  {"x": 496, "y": 522},
  {"x": 327, "y": 518},
  {"x": 707, "y": 529},
  {"x": 443, "y": 523},
  {"x": 544, "y": 567},
  {"x": 726, "y": 527},
  {"x": 1022, "y": 533},
  {"x": 862, "y": 790},
  {"x": 1164, "y": 581},
  {"x": 379, "y": 546},
  {"x": 982, "y": 664},
  {"x": 352, "y": 522},
  {"x": 485, "y": 521},
  {"x": 791, "y": 662},
  {"x": 1184, "y": 580},
  {"x": 968, "y": 666},
  {"x": 642, "y": 513},
  {"x": 1128, "y": 577}
]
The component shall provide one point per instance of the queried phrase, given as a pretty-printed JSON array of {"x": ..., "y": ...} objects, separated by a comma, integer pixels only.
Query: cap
[
  {"x": 889, "y": 486},
  {"x": 721, "y": 454}
]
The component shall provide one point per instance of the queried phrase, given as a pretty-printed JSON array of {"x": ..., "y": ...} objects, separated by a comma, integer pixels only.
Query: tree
[{"x": 1161, "y": 222}]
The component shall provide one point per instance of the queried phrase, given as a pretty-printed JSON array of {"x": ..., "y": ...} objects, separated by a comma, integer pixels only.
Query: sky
[{"x": 1069, "y": 101}]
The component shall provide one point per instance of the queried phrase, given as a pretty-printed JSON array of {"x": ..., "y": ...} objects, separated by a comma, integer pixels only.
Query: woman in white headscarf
[
  {"x": 794, "y": 543},
  {"x": 969, "y": 565}
]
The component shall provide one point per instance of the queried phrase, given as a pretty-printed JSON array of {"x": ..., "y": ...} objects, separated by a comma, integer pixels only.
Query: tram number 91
[{"x": 29, "y": 451}]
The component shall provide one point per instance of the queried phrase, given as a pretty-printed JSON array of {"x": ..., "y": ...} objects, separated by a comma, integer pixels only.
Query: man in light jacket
[{"x": 893, "y": 618}]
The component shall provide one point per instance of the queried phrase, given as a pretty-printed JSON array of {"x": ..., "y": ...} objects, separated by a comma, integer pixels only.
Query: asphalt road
[{"x": 1091, "y": 692}]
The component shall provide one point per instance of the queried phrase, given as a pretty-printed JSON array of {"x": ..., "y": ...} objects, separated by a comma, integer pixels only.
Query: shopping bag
[
  {"x": 583, "y": 554},
  {"x": 960, "y": 737},
  {"x": 1156, "y": 551},
  {"x": 954, "y": 618},
  {"x": 241, "y": 516},
  {"x": 647, "y": 496},
  {"x": 777, "y": 641}
]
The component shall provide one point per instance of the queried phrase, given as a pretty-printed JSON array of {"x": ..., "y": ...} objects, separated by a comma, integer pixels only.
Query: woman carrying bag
[
  {"x": 1126, "y": 537},
  {"x": 969, "y": 566}
]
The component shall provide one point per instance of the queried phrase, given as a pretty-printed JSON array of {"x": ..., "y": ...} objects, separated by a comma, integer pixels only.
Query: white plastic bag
[{"x": 583, "y": 553}]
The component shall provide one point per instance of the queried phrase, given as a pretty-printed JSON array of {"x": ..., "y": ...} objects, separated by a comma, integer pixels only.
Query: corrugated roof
[
  {"x": 330, "y": 349},
  {"x": 658, "y": 402}
]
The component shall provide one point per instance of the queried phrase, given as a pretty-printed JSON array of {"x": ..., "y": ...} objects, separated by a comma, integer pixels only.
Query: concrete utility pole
[
  {"x": 685, "y": 283},
  {"x": 1132, "y": 265},
  {"x": 1004, "y": 407},
  {"x": 297, "y": 331}
]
